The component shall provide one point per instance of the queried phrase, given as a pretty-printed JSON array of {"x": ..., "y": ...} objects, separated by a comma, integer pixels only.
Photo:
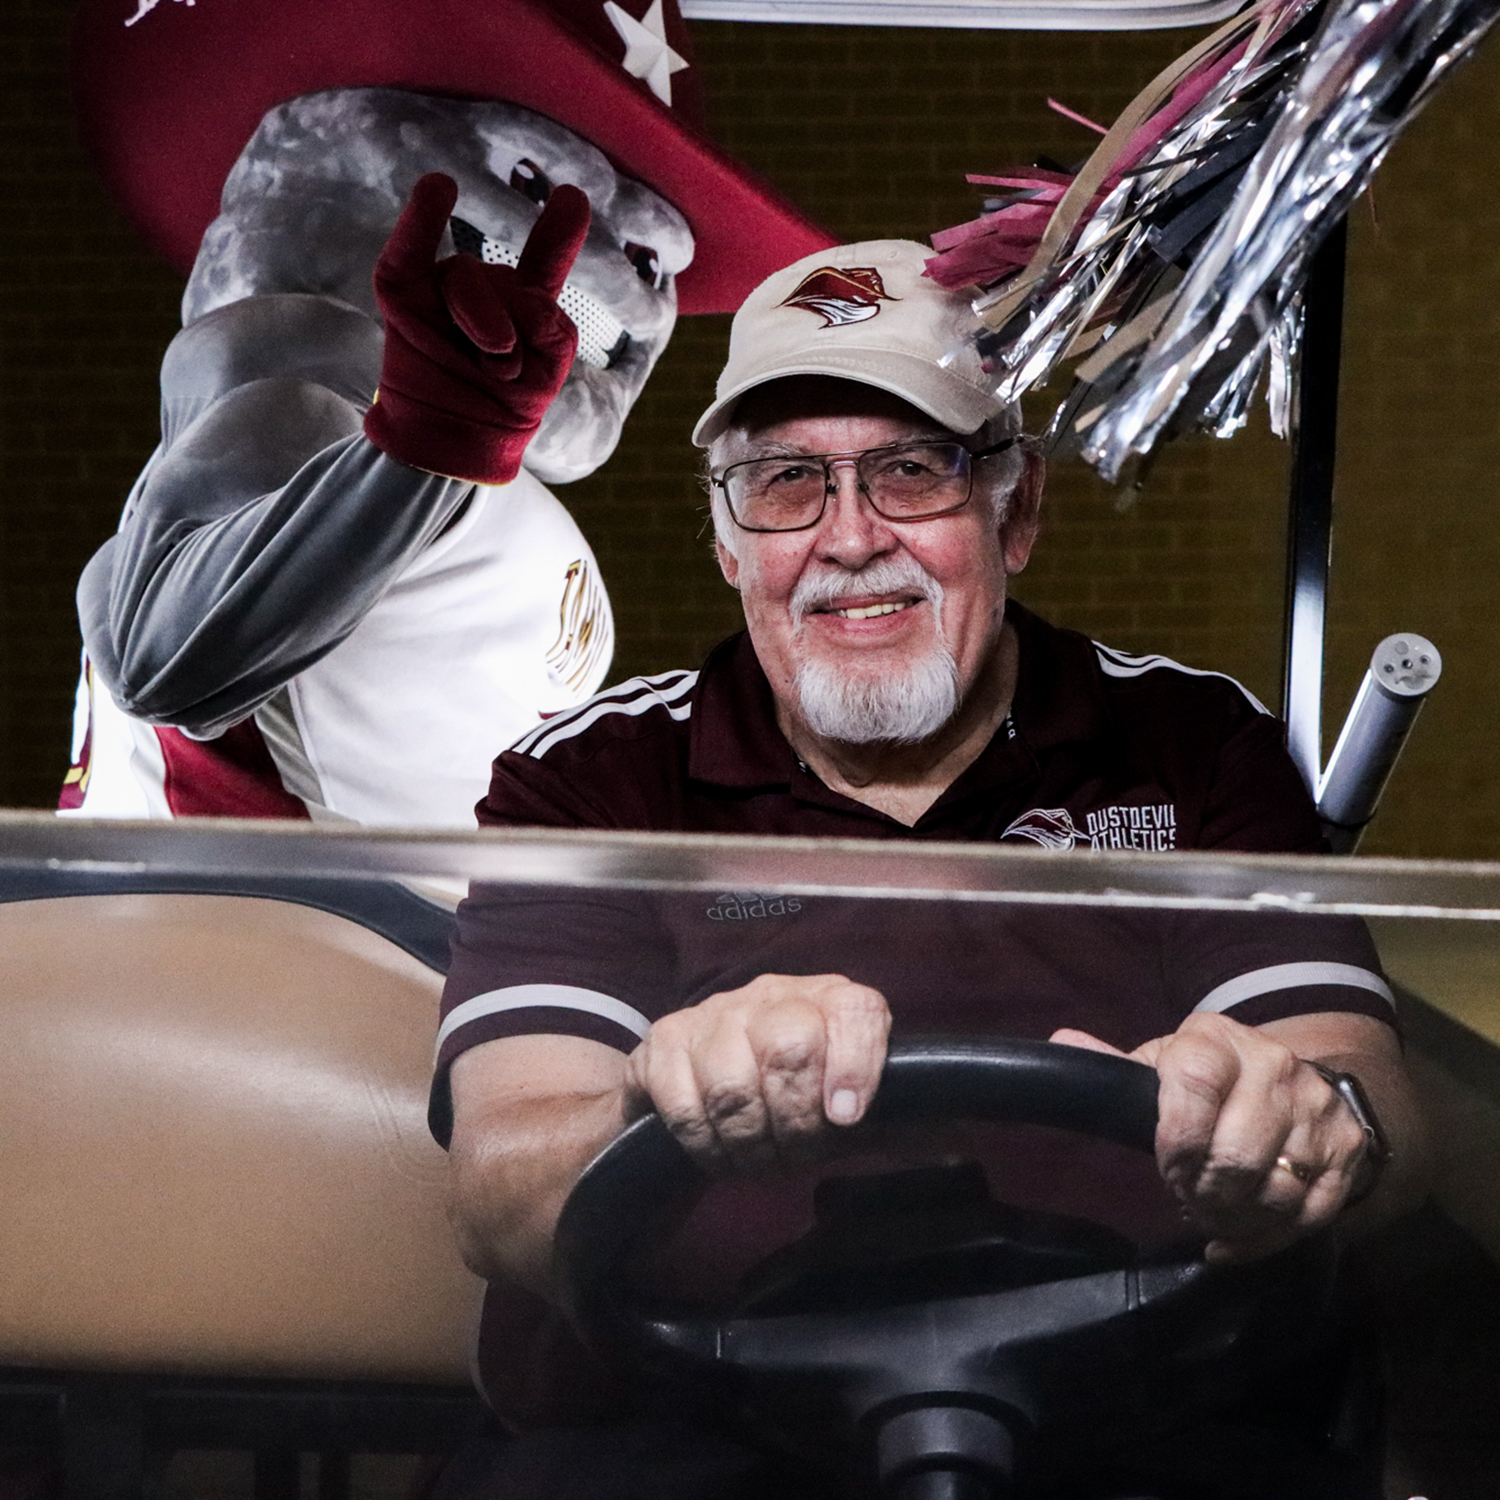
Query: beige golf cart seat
[
  {"x": 223, "y": 1216},
  {"x": 217, "y": 1157}
]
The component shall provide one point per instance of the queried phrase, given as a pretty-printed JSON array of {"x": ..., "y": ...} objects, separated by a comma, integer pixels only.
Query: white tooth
[{"x": 869, "y": 611}]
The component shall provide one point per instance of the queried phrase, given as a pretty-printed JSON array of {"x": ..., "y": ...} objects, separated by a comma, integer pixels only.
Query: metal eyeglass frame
[{"x": 830, "y": 487}]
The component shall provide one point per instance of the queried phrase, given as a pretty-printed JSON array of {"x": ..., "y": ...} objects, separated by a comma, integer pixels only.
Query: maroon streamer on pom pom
[{"x": 987, "y": 250}]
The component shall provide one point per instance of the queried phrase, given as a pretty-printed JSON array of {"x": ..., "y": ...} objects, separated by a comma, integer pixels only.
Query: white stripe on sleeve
[
  {"x": 1121, "y": 664},
  {"x": 638, "y": 696},
  {"x": 558, "y": 996},
  {"x": 1293, "y": 977}
]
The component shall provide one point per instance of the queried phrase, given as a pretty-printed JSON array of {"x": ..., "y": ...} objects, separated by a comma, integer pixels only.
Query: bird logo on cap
[{"x": 851, "y": 295}]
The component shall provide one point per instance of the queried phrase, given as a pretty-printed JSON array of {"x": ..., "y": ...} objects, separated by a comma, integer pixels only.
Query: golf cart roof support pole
[{"x": 1310, "y": 520}]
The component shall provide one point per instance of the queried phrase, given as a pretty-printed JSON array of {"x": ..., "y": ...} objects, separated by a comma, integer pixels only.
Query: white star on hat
[{"x": 647, "y": 54}]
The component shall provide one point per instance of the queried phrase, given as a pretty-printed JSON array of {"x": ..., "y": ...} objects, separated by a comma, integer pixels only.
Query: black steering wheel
[{"x": 930, "y": 1366}]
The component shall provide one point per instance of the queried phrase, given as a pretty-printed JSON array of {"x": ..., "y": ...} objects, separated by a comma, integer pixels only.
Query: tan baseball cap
[{"x": 865, "y": 313}]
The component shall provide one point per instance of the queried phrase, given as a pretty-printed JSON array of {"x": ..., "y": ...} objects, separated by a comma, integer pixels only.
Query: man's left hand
[{"x": 1255, "y": 1143}]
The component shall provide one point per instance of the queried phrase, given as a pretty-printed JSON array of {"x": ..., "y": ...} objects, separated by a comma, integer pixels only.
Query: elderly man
[{"x": 872, "y": 501}]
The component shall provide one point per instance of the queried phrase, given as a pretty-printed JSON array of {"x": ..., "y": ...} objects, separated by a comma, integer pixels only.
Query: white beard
[
  {"x": 904, "y": 705},
  {"x": 902, "y": 709}
]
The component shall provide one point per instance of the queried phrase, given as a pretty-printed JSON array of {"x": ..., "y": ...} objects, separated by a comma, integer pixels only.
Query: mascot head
[{"x": 270, "y": 146}]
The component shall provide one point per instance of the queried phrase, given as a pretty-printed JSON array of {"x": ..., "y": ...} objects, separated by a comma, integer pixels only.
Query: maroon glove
[{"x": 474, "y": 354}]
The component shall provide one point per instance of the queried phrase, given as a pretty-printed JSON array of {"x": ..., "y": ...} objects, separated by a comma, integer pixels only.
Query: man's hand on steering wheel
[
  {"x": 1253, "y": 1141},
  {"x": 753, "y": 1077}
]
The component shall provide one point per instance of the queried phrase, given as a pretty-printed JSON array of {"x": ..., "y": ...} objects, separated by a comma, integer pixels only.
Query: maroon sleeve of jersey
[
  {"x": 527, "y": 793},
  {"x": 531, "y": 960},
  {"x": 614, "y": 762},
  {"x": 562, "y": 961},
  {"x": 1264, "y": 966},
  {"x": 1258, "y": 967}
]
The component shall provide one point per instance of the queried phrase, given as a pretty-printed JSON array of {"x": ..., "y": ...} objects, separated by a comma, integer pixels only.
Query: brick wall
[
  {"x": 85, "y": 312},
  {"x": 871, "y": 130}
]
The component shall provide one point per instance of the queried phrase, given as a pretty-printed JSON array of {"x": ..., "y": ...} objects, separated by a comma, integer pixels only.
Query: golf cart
[{"x": 281, "y": 1121}]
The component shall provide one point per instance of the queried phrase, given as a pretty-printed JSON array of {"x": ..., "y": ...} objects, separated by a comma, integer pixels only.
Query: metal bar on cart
[
  {"x": 48, "y": 846},
  {"x": 1310, "y": 509}
]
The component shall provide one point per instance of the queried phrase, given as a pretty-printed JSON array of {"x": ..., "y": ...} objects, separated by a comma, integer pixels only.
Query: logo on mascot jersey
[
  {"x": 582, "y": 633},
  {"x": 1153, "y": 826},
  {"x": 848, "y": 296}
]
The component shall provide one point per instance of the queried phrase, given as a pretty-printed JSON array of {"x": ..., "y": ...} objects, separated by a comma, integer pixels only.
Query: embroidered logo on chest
[{"x": 1152, "y": 826}]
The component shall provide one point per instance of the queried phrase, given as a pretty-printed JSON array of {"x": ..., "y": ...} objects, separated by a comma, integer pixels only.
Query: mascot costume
[{"x": 435, "y": 252}]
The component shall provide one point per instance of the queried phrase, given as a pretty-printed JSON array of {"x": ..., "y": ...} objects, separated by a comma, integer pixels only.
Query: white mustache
[{"x": 885, "y": 575}]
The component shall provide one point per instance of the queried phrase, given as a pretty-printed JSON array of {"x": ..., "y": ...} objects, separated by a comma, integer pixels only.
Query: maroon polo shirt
[{"x": 1101, "y": 750}]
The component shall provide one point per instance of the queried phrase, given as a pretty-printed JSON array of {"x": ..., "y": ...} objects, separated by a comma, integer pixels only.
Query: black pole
[{"x": 1309, "y": 542}]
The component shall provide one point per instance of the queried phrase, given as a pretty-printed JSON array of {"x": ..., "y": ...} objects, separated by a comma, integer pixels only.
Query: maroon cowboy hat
[{"x": 169, "y": 91}]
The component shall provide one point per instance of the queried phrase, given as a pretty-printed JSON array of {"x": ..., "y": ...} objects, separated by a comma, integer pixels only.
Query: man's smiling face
[{"x": 856, "y": 601}]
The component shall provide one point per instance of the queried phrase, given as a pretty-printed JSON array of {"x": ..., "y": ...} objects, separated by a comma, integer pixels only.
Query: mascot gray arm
[{"x": 266, "y": 527}]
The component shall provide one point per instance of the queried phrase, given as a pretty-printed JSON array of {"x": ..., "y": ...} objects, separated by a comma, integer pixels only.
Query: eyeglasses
[{"x": 905, "y": 482}]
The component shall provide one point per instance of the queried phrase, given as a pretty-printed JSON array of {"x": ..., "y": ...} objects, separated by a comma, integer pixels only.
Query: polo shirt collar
[
  {"x": 1059, "y": 698},
  {"x": 734, "y": 739},
  {"x": 1059, "y": 690}
]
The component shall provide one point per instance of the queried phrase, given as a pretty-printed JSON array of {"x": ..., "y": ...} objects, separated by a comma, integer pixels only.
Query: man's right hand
[{"x": 755, "y": 1077}]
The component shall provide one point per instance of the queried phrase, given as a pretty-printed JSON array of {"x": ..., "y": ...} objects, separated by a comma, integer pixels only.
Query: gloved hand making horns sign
[
  {"x": 474, "y": 353},
  {"x": 323, "y": 602}
]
